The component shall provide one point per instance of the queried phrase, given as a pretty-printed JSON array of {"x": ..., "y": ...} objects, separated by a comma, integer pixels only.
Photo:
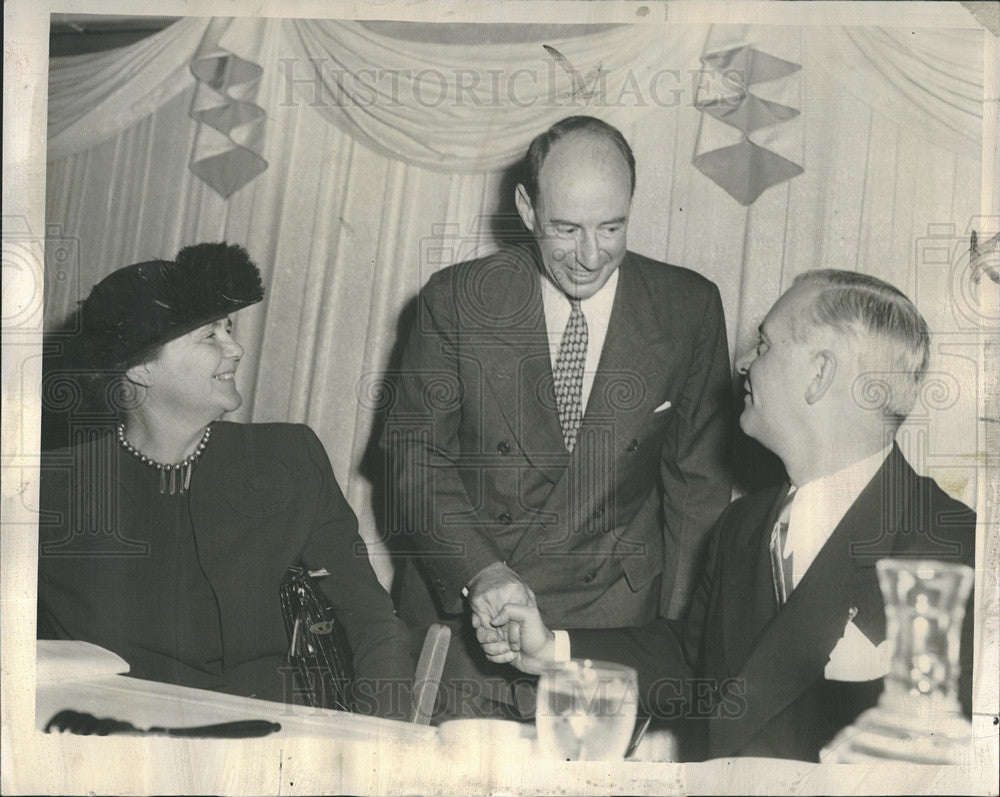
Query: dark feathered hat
[{"x": 137, "y": 308}]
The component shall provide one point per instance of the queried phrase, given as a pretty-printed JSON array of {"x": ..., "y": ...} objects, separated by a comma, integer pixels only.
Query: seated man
[{"x": 790, "y": 576}]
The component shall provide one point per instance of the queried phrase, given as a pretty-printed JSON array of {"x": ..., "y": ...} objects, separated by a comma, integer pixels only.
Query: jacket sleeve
[
  {"x": 428, "y": 501},
  {"x": 379, "y": 640},
  {"x": 666, "y": 654},
  {"x": 697, "y": 484}
]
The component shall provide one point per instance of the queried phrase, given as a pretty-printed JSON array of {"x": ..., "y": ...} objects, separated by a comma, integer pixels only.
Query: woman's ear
[
  {"x": 139, "y": 375},
  {"x": 824, "y": 369}
]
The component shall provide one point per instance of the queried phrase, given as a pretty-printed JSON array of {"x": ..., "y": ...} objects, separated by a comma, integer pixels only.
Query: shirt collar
[
  {"x": 600, "y": 303},
  {"x": 819, "y": 505}
]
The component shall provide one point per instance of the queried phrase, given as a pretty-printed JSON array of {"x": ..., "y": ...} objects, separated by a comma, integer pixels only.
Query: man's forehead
[
  {"x": 790, "y": 308},
  {"x": 581, "y": 151}
]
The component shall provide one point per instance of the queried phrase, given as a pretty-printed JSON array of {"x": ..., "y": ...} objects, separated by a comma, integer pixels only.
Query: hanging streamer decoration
[
  {"x": 744, "y": 169},
  {"x": 230, "y": 123}
]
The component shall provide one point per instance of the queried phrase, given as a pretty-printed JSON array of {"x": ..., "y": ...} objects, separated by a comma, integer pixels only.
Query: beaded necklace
[{"x": 183, "y": 467}]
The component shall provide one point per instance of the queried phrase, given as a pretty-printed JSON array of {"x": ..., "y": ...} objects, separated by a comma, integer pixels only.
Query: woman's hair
[
  {"x": 887, "y": 323},
  {"x": 110, "y": 390}
]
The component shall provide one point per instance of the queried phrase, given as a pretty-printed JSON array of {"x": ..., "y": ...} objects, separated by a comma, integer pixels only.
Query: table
[{"x": 322, "y": 751}]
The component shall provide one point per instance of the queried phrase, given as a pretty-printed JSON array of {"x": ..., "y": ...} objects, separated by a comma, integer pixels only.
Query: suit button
[
  {"x": 590, "y": 576},
  {"x": 599, "y": 511},
  {"x": 505, "y": 518},
  {"x": 632, "y": 446},
  {"x": 503, "y": 447}
]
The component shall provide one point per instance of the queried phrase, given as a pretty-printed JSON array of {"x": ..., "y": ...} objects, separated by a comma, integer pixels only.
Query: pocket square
[
  {"x": 856, "y": 658},
  {"x": 666, "y": 405}
]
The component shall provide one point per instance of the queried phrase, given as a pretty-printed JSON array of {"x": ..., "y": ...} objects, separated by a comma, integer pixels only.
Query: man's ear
[
  {"x": 824, "y": 369},
  {"x": 139, "y": 375},
  {"x": 524, "y": 207}
]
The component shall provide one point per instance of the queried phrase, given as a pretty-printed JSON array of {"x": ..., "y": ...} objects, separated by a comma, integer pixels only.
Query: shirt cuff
[{"x": 561, "y": 650}]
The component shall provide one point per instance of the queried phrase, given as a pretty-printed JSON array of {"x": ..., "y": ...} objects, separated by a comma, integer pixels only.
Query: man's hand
[
  {"x": 493, "y": 587},
  {"x": 535, "y": 642}
]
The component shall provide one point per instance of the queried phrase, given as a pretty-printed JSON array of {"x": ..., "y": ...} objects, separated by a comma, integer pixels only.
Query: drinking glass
[
  {"x": 586, "y": 710},
  {"x": 918, "y": 718}
]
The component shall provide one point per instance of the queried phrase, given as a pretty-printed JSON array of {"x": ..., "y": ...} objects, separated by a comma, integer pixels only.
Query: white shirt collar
[
  {"x": 597, "y": 306},
  {"x": 819, "y": 506}
]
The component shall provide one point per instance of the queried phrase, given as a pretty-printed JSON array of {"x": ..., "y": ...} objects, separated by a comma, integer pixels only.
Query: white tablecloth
[{"x": 89, "y": 679}]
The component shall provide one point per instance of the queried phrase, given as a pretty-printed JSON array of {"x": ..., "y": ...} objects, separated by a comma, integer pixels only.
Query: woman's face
[{"x": 194, "y": 374}]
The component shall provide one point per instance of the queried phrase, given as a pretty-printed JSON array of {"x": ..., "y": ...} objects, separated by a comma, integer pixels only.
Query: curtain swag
[{"x": 458, "y": 109}]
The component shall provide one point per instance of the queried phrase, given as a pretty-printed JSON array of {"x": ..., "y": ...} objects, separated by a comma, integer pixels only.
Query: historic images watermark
[
  {"x": 554, "y": 82},
  {"x": 665, "y": 698}
]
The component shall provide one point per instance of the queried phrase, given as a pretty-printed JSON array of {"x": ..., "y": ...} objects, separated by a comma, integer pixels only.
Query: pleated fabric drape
[{"x": 360, "y": 203}]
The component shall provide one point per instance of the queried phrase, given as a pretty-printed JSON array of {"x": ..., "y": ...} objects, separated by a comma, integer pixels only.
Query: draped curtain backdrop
[{"x": 358, "y": 161}]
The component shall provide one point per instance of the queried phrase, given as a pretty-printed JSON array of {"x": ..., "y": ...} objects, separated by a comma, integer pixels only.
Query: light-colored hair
[{"x": 894, "y": 333}]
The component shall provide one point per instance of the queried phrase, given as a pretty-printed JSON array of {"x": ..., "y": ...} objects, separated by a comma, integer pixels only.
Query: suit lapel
[
  {"x": 793, "y": 649},
  {"x": 516, "y": 362},
  {"x": 633, "y": 365},
  {"x": 747, "y": 600}
]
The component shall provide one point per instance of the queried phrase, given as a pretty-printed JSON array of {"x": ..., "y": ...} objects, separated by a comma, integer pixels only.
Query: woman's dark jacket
[{"x": 185, "y": 587}]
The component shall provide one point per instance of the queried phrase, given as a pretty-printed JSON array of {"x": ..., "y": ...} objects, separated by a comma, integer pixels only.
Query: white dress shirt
[
  {"x": 597, "y": 311},
  {"x": 819, "y": 506}
]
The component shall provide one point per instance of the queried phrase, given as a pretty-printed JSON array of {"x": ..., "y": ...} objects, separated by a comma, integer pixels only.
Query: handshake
[{"x": 507, "y": 621}]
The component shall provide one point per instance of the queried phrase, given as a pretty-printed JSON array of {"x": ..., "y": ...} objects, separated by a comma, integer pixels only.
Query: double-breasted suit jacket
[
  {"x": 756, "y": 674},
  {"x": 604, "y": 536}
]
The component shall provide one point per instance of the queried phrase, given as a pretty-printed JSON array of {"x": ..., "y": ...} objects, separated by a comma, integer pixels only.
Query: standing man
[
  {"x": 785, "y": 640},
  {"x": 561, "y": 422}
]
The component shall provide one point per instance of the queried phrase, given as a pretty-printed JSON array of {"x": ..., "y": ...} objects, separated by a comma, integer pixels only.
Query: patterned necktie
[
  {"x": 568, "y": 374},
  {"x": 781, "y": 566}
]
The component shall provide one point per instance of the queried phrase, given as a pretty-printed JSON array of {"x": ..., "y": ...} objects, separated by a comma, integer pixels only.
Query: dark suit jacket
[
  {"x": 205, "y": 612},
  {"x": 605, "y": 536},
  {"x": 756, "y": 673}
]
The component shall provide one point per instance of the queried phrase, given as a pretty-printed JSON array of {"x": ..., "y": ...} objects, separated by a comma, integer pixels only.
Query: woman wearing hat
[{"x": 166, "y": 540}]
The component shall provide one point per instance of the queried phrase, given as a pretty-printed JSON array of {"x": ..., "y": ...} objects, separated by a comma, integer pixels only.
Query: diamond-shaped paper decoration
[
  {"x": 229, "y": 171},
  {"x": 221, "y": 70},
  {"x": 225, "y": 118},
  {"x": 751, "y": 114},
  {"x": 227, "y": 151},
  {"x": 745, "y": 170},
  {"x": 750, "y": 65}
]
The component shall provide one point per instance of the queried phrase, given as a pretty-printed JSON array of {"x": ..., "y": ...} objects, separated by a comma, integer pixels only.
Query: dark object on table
[
  {"x": 84, "y": 724},
  {"x": 318, "y": 647}
]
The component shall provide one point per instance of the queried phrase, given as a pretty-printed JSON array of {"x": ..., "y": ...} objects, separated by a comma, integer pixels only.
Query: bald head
[{"x": 542, "y": 144}]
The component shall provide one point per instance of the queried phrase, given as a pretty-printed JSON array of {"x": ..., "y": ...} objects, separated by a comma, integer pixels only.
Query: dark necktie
[
  {"x": 568, "y": 374},
  {"x": 781, "y": 566}
]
